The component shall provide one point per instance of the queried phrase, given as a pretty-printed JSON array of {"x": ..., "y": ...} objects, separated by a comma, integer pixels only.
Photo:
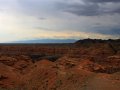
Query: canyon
[{"x": 84, "y": 65}]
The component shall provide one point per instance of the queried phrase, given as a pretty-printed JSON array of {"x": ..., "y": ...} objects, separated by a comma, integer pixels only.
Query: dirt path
[{"x": 101, "y": 82}]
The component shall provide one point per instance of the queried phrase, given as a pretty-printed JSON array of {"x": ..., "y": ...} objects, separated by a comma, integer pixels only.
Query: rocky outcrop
[{"x": 81, "y": 66}]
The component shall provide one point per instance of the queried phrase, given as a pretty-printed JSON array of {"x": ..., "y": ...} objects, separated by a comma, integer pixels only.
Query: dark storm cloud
[
  {"x": 84, "y": 10},
  {"x": 42, "y": 18},
  {"x": 106, "y": 30},
  {"x": 102, "y": 1},
  {"x": 114, "y": 31},
  {"x": 91, "y": 7}
]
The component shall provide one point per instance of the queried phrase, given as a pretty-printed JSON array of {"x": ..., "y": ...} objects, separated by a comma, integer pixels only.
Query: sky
[{"x": 59, "y": 19}]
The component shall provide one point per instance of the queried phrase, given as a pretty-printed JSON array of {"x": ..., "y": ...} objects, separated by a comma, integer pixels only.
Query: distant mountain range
[{"x": 47, "y": 41}]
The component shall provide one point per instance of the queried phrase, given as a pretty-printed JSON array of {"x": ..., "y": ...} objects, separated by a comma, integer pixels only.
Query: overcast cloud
[{"x": 30, "y": 19}]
